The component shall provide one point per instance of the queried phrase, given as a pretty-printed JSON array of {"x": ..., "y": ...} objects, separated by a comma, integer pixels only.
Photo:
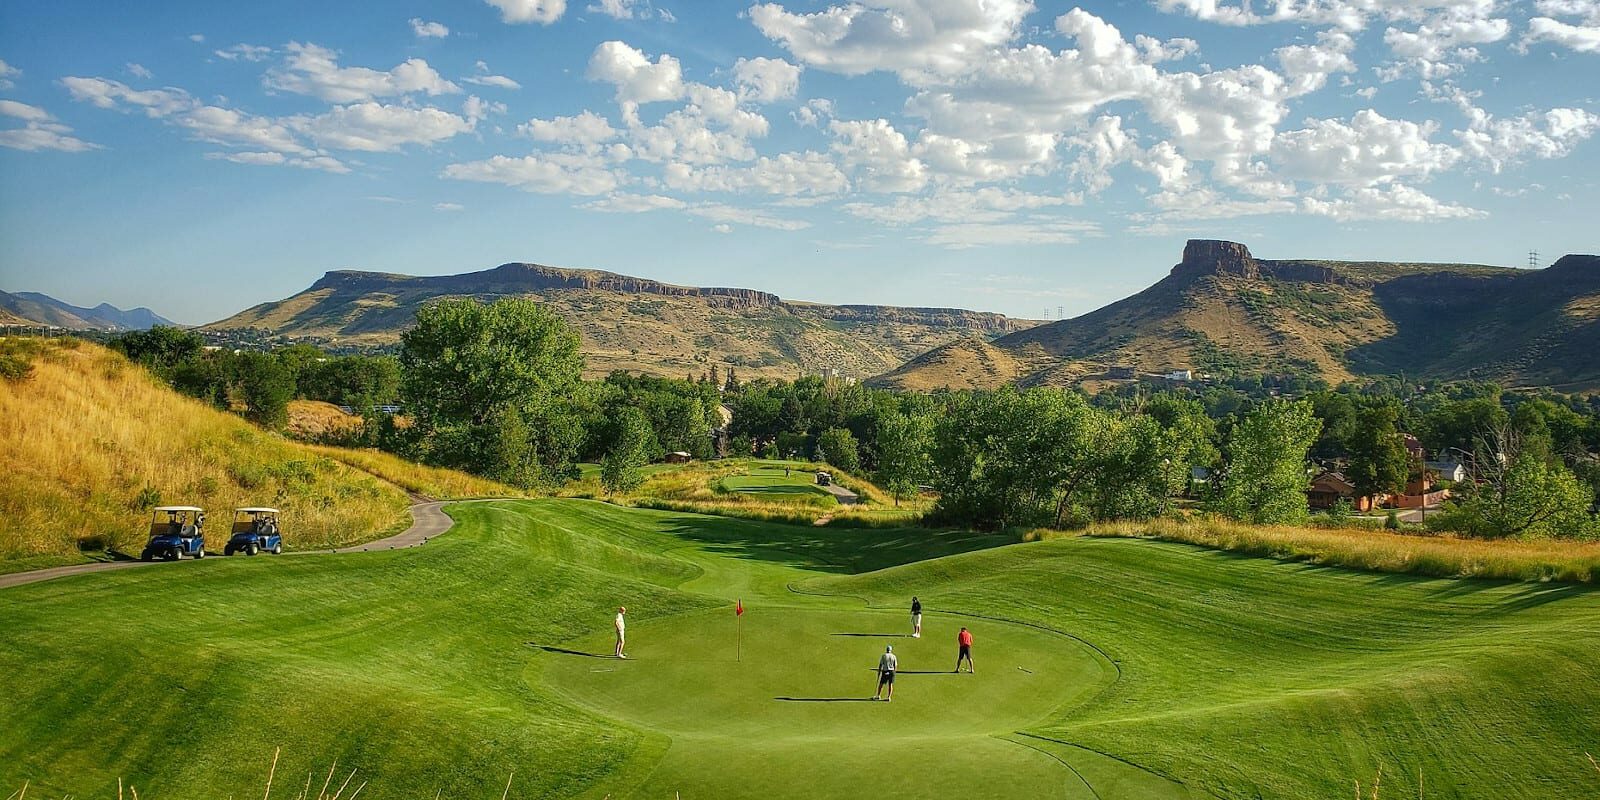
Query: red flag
[{"x": 738, "y": 608}]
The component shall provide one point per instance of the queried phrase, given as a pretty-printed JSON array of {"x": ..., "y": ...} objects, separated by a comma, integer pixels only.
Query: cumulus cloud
[
  {"x": 40, "y": 130},
  {"x": 317, "y": 162},
  {"x": 517, "y": 12},
  {"x": 105, "y": 93},
  {"x": 763, "y": 80},
  {"x": 1394, "y": 203},
  {"x": 138, "y": 70},
  {"x": 1370, "y": 149},
  {"x": 1581, "y": 38},
  {"x": 636, "y": 78},
  {"x": 630, "y": 9},
  {"x": 543, "y": 173},
  {"x": 313, "y": 70},
  {"x": 878, "y": 155},
  {"x": 756, "y": 218},
  {"x": 7, "y": 75},
  {"x": 789, "y": 174},
  {"x": 428, "y": 30},
  {"x": 627, "y": 203},
  {"x": 1498, "y": 142},
  {"x": 916, "y": 40},
  {"x": 375, "y": 127},
  {"x": 587, "y": 130}
]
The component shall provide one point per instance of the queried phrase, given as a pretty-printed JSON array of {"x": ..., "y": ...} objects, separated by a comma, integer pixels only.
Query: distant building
[
  {"x": 1121, "y": 372},
  {"x": 1182, "y": 375},
  {"x": 1413, "y": 446},
  {"x": 1448, "y": 470},
  {"x": 1331, "y": 487},
  {"x": 833, "y": 374},
  {"x": 678, "y": 457}
]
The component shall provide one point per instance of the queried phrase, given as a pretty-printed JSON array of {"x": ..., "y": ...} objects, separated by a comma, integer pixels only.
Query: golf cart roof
[
  {"x": 255, "y": 510},
  {"x": 177, "y": 508}
]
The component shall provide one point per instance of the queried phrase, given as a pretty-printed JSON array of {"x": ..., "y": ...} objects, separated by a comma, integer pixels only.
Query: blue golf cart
[
  {"x": 176, "y": 532},
  {"x": 255, "y": 530}
]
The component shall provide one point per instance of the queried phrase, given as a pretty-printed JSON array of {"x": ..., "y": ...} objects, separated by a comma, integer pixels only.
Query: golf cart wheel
[
  {"x": 277, "y": 549},
  {"x": 227, "y": 550},
  {"x": 201, "y": 552},
  {"x": 175, "y": 554},
  {"x": 147, "y": 556},
  {"x": 250, "y": 549}
]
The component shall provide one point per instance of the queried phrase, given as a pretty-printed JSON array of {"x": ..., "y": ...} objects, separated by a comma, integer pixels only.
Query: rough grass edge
[{"x": 1374, "y": 551}]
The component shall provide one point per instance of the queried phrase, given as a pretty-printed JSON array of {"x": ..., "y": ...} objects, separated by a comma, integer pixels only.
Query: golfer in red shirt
[{"x": 964, "y": 638}]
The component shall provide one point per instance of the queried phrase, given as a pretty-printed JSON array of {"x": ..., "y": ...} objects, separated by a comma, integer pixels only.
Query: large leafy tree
[
  {"x": 1265, "y": 478},
  {"x": 264, "y": 386},
  {"x": 622, "y": 469},
  {"x": 1379, "y": 463},
  {"x": 838, "y": 447},
  {"x": 1518, "y": 490},
  {"x": 902, "y": 452},
  {"x": 489, "y": 388}
]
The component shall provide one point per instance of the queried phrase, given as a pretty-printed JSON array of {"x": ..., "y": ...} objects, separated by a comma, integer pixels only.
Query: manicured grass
[
  {"x": 778, "y": 481},
  {"x": 1106, "y": 668}
]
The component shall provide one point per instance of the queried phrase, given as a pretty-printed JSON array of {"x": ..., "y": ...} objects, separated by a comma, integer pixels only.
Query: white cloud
[
  {"x": 1582, "y": 38},
  {"x": 23, "y": 111},
  {"x": 965, "y": 235},
  {"x": 1350, "y": 15},
  {"x": 40, "y": 130},
  {"x": 317, "y": 162},
  {"x": 517, "y": 12},
  {"x": 878, "y": 155},
  {"x": 620, "y": 9},
  {"x": 104, "y": 93},
  {"x": 763, "y": 80},
  {"x": 544, "y": 173},
  {"x": 497, "y": 81},
  {"x": 138, "y": 70},
  {"x": 448, "y": 207},
  {"x": 197, "y": 37},
  {"x": 987, "y": 205},
  {"x": 722, "y": 227},
  {"x": 814, "y": 113},
  {"x": 788, "y": 174},
  {"x": 916, "y": 40},
  {"x": 428, "y": 30},
  {"x": 1393, "y": 203},
  {"x": 636, "y": 78},
  {"x": 7, "y": 73},
  {"x": 374, "y": 127},
  {"x": 626, "y": 203},
  {"x": 1536, "y": 134},
  {"x": 244, "y": 52},
  {"x": 718, "y": 212},
  {"x": 1371, "y": 149},
  {"x": 235, "y": 128},
  {"x": 314, "y": 70},
  {"x": 587, "y": 130}
]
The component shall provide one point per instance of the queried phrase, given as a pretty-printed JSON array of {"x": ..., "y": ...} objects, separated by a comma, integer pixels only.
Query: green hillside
[{"x": 1105, "y": 668}]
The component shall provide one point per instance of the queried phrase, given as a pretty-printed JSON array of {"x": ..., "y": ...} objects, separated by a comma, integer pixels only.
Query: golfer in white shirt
[{"x": 622, "y": 627}]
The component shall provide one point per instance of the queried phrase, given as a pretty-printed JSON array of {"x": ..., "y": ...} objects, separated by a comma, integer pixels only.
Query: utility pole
[{"x": 1533, "y": 259}]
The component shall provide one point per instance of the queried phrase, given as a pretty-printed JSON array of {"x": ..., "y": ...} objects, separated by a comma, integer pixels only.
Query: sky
[{"x": 1032, "y": 158}]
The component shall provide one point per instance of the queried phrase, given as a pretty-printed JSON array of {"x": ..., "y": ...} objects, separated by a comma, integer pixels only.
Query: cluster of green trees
[{"x": 260, "y": 384}]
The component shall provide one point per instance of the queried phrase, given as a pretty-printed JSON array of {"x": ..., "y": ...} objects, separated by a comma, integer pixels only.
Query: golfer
[
  {"x": 916, "y": 618},
  {"x": 622, "y": 628},
  {"x": 886, "y": 668},
  {"x": 964, "y": 640}
]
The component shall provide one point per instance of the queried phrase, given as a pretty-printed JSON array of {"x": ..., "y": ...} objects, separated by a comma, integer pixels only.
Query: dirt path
[{"x": 427, "y": 521}]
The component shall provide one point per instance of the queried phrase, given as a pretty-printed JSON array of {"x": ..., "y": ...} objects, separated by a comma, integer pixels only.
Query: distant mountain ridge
[
  {"x": 1222, "y": 310},
  {"x": 33, "y": 308},
  {"x": 632, "y": 323}
]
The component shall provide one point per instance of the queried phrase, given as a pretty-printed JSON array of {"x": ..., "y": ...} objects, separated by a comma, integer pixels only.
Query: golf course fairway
[{"x": 1105, "y": 669}]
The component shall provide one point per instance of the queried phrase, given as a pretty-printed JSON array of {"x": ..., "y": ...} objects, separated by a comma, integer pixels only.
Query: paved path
[
  {"x": 843, "y": 495},
  {"x": 427, "y": 521}
]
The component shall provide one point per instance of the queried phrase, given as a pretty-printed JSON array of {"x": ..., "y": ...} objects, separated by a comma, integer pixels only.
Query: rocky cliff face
[{"x": 1216, "y": 257}]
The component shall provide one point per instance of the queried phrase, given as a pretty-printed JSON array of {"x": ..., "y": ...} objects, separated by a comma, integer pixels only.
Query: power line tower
[
  {"x": 1533, "y": 259},
  {"x": 1059, "y": 315}
]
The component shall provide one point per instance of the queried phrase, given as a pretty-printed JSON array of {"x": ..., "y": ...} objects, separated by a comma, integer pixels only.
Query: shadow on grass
[
  {"x": 836, "y": 550},
  {"x": 876, "y": 635},
  {"x": 825, "y": 699},
  {"x": 565, "y": 652}
]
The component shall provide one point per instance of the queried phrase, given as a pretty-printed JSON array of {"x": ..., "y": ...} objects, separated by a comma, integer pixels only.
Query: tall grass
[
  {"x": 1377, "y": 551},
  {"x": 88, "y": 442},
  {"x": 432, "y": 482}
]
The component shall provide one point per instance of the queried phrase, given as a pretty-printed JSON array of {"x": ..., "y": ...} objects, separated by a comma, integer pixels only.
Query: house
[
  {"x": 678, "y": 457},
  {"x": 1413, "y": 446},
  {"x": 1331, "y": 487},
  {"x": 1121, "y": 372},
  {"x": 1448, "y": 470},
  {"x": 1180, "y": 375}
]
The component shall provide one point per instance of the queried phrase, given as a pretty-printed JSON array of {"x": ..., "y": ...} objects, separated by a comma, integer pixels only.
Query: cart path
[{"x": 427, "y": 521}]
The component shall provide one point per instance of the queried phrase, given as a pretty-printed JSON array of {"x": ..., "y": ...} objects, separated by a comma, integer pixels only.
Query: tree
[
  {"x": 265, "y": 386},
  {"x": 1265, "y": 478},
  {"x": 161, "y": 347},
  {"x": 1379, "y": 463},
  {"x": 733, "y": 382},
  {"x": 903, "y": 442},
  {"x": 466, "y": 365},
  {"x": 839, "y": 448},
  {"x": 622, "y": 470},
  {"x": 1517, "y": 491}
]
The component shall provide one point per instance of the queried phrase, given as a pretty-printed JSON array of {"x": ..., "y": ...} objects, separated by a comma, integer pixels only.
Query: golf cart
[
  {"x": 254, "y": 530},
  {"x": 824, "y": 478},
  {"x": 180, "y": 533}
]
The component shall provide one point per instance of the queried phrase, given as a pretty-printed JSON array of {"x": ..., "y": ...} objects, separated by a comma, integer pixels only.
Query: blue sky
[{"x": 201, "y": 157}]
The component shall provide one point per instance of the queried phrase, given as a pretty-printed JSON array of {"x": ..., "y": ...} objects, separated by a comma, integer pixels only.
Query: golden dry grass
[
  {"x": 88, "y": 441},
  {"x": 314, "y": 420},
  {"x": 1378, "y": 551},
  {"x": 435, "y": 483}
]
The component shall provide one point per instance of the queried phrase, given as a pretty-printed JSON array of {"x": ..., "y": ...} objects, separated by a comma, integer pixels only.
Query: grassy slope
[
  {"x": 87, "y": 432},
  {"x": 1240, "y": 677}
]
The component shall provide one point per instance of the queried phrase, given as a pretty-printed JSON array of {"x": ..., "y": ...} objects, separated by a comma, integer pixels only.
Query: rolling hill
[
  {"x": 631, "y": 323},
  {"x": 33, "y": 308},
  {"x": 1221, "y": 310}
]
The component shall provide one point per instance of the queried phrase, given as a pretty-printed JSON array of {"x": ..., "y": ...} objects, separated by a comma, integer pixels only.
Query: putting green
[{"x": 801, "y": 687}]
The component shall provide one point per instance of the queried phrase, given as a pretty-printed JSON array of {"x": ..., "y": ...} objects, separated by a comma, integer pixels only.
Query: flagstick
[{"x": 738, "y": 627}]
